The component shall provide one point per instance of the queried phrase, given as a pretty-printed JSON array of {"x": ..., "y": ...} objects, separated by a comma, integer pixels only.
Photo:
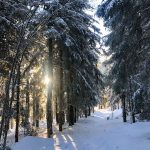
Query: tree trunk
[
  {"x": 118, "y": 105},
  {"x": 131, "y": 103},
  {"x": 93, "y": 109},
  {"x": 49, "y": 95},
  {"x": 85, "y": 112},
  {"x": 69, "y": 107},
  {"x": 37, "y": 112},
  {"x": 17, "y": 106},
  {"x": 5, "y": 112},
  {"x": 57, "y": 115},
  {"x": 61, "y": 120},
  {"x": 61, "y": 87},
  {"x": 27, "y": 107},
  {"x": 75, "y": 115},
  {"x": 71, "y": 116},
  {"x": 124, "y": 108},
  {"x": 89, "y": 111},
  {"x": 132, "y": 112},
  {"x": 68, "y": 113},
  {"x": 34, "y": 108},
  {"x": 7, "y": 107}
]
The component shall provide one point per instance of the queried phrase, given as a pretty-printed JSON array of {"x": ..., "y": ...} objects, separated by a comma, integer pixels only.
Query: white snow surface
[
  {"x": 34, "y": 143},
  {"x": 94, "y": 133}
]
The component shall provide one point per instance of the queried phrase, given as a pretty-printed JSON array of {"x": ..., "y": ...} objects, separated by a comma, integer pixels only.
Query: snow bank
[
  {"x": 34, "y": 143},
  {"x": 107, "y": 113},
  {"x": 116, "y": 114}
]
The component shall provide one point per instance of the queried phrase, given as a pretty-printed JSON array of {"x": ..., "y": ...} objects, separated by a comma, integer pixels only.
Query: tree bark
[
  {"x": 89, "y": 111},
  {"x": 132, "y": 112},
  {"x": 27, "y": 106},
  {"x": 17, "y": 106},
  {"x": 37, "y": 112},
  {"x": 131, "y": 103},
  {"x": 34, "y": 108},
  {"x": 49, "y": 95},
  {"x": 57, "y": 115},
  {"x": 124, "y": 108},
  {"x": 71, "y": 116},
  {"x": 75, "y": 115},
  {"x": 61, "y": 85}
]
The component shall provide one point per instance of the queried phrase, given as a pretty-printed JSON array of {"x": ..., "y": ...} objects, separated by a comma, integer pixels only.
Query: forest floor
[{"x": 94, "y": 133}]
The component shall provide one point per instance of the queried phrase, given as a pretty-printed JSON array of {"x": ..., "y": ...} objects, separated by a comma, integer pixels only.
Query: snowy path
[{"x": 98, "y": 133}]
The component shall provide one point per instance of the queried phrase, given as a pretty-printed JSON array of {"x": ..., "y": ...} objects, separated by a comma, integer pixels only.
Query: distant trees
[
  {"x": 56, "y": 39},
  {"x": 129, "y": 54}
]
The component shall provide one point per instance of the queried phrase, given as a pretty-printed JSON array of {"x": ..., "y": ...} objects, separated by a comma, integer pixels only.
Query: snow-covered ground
[
  {"x": 95, "y": 133},
  {"x": 34, "y": 143}
]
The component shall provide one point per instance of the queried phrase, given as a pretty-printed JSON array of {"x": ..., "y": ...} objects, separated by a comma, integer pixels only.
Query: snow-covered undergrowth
[{"x": 95, "y": 133}]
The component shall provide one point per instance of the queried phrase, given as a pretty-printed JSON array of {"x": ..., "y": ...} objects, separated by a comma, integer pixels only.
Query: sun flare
[{"x": 46, "y": 80}]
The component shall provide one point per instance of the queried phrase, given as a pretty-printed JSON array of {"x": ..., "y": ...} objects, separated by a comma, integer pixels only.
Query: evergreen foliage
[
  {"x": 128, "y": 49},
  {"x": 53, "y": 38}
]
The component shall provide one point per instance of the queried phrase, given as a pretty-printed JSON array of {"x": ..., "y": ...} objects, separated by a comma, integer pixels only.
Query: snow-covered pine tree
[
  {"x": 142, "y": 92},
  {"x": 8, "y": 19},
  {"x": 72, "y": 40},
  {"x": 17, "y": 38},
  {"x": 69, "y": 27},
  {"x": 123, "y": 18}
]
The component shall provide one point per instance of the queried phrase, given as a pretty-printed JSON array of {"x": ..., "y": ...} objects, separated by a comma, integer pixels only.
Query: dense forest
[
  {"x": 49, "y": 55},
  {"x": 48, "y": 66},
  {"x": 128, "y": 42}
]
